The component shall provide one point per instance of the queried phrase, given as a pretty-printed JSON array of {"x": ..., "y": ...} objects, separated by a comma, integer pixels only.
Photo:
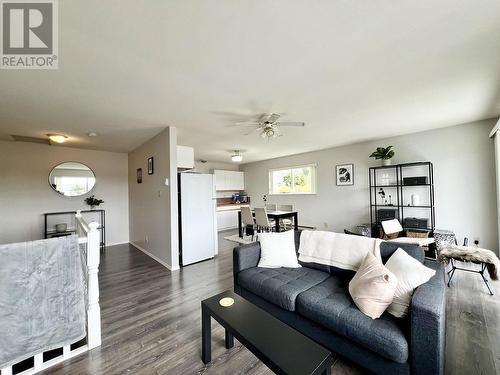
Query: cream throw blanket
[
  {"x": 336, "y": 249},
  {"x": 42, "y": 297}
]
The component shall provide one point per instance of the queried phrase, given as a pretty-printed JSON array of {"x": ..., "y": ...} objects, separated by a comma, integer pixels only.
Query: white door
[
  {"x": 233, "y": 219},
  {"x": 239, "y": 180},
  {"x": 197, "y": 217},
  {"x": 220, "y": 179},
  {"x": 227, "y": 220}
]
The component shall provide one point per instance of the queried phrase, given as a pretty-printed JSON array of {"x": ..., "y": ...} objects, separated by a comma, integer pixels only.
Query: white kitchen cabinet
[
  {"x": 221, "y": 180},
  {"x": 229, "y": 180},
  {"x": 237, "y": 180},
  {"x": 227, "y": 220},
  {"x": 185, "y": 157}
]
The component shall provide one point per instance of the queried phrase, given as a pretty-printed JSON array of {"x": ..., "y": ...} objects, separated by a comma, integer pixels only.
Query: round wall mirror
[{"x": 72, "y": 179}]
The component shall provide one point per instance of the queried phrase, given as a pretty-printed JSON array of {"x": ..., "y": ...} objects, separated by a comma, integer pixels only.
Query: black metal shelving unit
[
  {"x": 48, "y": 233},
  {"x": 391, "y": 178}
]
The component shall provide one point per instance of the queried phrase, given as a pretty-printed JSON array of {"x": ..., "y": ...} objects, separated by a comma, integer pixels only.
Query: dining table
[{"x": 276, "y": 215}]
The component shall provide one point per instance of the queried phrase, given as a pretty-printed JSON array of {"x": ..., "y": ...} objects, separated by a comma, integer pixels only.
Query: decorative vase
[
  {"x": 386, "y": 162},
  {"x": 415, "y": 200},
  {"x": 92, "y": 207}
]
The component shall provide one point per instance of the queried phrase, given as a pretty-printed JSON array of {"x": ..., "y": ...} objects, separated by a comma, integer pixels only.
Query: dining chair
[
  {"x": 286, "y": 223},
  {"x": 262, "y": 220},
  {"x": 247, "y": 220},
  {"x": 270, "y": 206}
]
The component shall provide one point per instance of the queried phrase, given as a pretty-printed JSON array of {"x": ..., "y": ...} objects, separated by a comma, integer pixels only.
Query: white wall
[
  {"x": 25, "y": 193},
  {"x": 210, "y": 165},
  {"x": 464, "y": 174},
  {"x": 153, "y": 206}
]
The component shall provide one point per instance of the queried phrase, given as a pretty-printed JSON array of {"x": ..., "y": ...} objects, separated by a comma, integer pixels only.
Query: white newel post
[{"x": 93, "y": 309}]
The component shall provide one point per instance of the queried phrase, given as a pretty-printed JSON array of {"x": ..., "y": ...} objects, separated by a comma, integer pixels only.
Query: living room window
[{"x": 293, "y": 180}]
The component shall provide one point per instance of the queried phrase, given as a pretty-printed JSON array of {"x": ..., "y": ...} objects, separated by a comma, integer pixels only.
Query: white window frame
[{"x": 313, "y": 167}]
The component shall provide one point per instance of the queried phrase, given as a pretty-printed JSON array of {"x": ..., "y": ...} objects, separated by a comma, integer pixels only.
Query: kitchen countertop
[{"x": 231, "y": 207}]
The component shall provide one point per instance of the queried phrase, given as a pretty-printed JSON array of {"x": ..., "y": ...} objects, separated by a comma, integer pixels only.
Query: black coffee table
[{"x": 280, "y": 347}]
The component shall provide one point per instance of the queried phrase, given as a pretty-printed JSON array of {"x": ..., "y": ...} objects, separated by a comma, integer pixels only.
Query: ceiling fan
[{"x": 268, "y": 125}]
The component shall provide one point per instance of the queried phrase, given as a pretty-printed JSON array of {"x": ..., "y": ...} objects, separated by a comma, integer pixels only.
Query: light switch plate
[{"x": 166, "y": 182}]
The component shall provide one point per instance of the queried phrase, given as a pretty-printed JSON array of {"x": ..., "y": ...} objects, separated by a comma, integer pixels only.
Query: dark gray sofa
[{"x": 314, "y": 299}]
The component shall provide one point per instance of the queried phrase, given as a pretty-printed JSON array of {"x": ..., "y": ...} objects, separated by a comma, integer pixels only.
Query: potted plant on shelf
[
  {"x": 93, "y": 202},
  {"x": 383, "y": 153}
]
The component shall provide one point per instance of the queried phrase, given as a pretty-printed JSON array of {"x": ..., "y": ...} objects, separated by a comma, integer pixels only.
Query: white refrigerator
[{"x": 197, "y": 220}]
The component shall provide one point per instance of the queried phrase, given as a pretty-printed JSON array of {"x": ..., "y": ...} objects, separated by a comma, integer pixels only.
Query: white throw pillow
[
  {"x": 411, "y": 274},
  {"x": 278, "y": 250},
  {"x": 372, "y": 287}
]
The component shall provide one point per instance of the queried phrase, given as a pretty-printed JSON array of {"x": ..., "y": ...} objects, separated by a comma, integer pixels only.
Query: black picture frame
[
  {"x": 139, "y": 175},
  {"x": 344, "y": 174},
  {"x": 151, "y": 167}
]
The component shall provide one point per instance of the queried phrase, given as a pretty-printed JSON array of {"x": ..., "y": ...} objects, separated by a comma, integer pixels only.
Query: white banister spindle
[
  {"x": 93, "y": 309},
  {"x": 38, "y": 362},
  {"x": 66, "y": 351}
]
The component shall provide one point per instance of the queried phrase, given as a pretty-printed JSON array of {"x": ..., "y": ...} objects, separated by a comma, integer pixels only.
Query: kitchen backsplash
[
  {"x": 224, "y": 194},
  {"x": 227, "y": 201}
]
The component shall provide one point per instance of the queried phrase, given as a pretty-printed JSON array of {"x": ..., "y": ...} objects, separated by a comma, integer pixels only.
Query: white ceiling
[{"x": 352, "y": 70}]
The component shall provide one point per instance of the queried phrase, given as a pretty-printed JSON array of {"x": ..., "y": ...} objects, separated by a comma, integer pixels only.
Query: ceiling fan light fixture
[
  {"x": 268, "y": 126},
  {"x": 57, "y": 138},
  {"x": 236, "y": 157}
]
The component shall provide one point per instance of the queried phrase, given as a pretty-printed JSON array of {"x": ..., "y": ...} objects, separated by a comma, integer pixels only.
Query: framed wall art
[{"x": 344, "y": 174}]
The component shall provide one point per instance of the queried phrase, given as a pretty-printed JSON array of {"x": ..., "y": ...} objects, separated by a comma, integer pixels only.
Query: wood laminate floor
[{"x": 151, "y": 321}]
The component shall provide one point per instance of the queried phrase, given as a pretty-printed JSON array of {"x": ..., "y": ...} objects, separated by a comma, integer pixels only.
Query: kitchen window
[
  {"x": 74, "y": 186},
  {"x": 293, "y": 180}
]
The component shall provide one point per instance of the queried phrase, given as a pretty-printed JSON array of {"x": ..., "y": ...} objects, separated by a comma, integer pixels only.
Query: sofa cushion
[
  {"x": 372, "y": 288},
  {"x": 280, "y": 286},
  {"x": 277, "y": 249},
  {"x": 330, "y": 305},
  {"x": 410, "y": 274},
  {"x": 388, "y": 248}
]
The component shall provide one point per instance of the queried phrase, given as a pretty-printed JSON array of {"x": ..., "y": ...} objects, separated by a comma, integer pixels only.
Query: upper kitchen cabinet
[
  {"x": 185, "y": 157},
  {"x": 229, "y": 180}
]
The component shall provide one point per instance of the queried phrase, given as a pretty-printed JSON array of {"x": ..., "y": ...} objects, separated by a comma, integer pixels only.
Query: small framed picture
[
  {"x": 345, "y": 174},
  {"x": 151, "y": 167},
  {"x": 139, "y": 175}
]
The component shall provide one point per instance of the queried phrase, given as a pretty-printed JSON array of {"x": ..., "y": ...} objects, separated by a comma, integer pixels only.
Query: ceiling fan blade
[
  {"x": 273, "y": 117},
  {"x": 247, "y": 123},
  {"x": 290, "y": 124},
  {"x": 235, "y": 116},
  {"x": 251, "y": 131}
]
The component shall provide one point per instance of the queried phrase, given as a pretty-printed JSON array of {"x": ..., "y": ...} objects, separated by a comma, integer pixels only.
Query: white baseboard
[
  {"x": 117, "y": 243},
  {"x": 163, "y": 263}
]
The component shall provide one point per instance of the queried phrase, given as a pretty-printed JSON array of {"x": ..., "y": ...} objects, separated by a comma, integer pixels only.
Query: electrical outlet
[{"x": 146, "y": 239}]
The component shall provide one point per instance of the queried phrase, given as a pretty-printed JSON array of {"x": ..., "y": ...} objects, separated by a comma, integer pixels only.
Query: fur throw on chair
[{"x": 474, "y": 255}]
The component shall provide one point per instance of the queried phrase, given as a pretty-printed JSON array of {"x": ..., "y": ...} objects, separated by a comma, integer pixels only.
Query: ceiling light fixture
[
  {"x": 236, "y": 157},
  {"x": 92, "y": 134},
  {"x": 57, "y": 138}
]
